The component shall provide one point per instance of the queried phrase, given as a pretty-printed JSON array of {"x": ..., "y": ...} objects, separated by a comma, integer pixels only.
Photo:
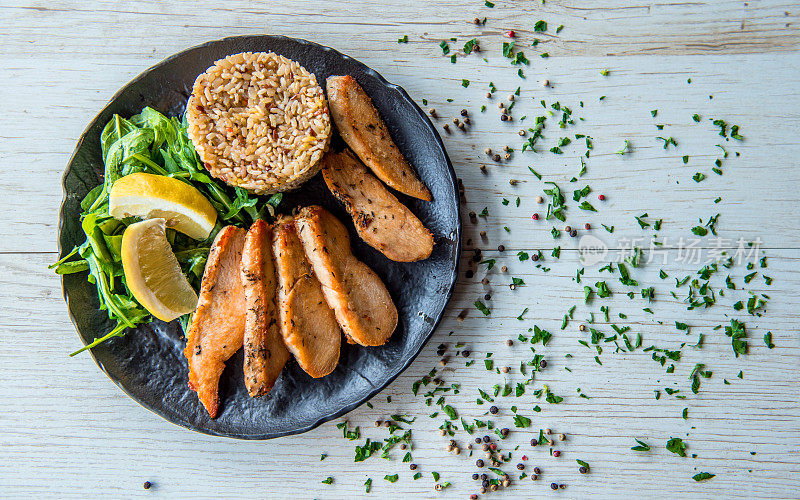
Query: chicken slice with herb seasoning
[
  {"x": 364, "y": 131},
  {"x": 381, "y": 220},
  {"x": 264, "y": 351},
  {"x": 307, "y": 323},
  {"x": 363, "y": 306},
  {"x": 217, "y": 328}
]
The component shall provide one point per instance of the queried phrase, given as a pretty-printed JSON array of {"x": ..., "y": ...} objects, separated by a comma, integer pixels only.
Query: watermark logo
[{"x": 592, "y": 250}]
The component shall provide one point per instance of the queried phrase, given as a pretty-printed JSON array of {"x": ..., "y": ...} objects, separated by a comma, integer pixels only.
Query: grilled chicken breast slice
[
  {"x": 218, "y": 325},
  {"x": 264, "y": 351},
  {"x": 307, "y": 324},
  {"x": 364, "y": 131},
  {"x": 381, "y": 220},
  {"x": 363, "y": 306}
]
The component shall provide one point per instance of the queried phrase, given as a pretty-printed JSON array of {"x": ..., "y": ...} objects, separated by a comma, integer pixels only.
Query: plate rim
[{"x": 377, "y": 389}]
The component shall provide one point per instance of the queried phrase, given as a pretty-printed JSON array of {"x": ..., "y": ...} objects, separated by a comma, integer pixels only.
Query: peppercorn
[
  {"x": 568, "y": 229},
  {"x": 493, "y": 410},
  {"x": 582, "y": 328},
  {"x": 510, "y": 33},
  {"x": 404, "y": 446},
  {"x": 465, "y": 353},
  {"x": 553, "y": 486},
  {"x": 501, "y": 105},
  {"x": 473, "y": 217},
  {"x": 477, "y": 21},
  {"x": 513, "y": 182},
  {"x": 469, "y": 273},
  {"x": 562, "y": 486},
  {"x": 587, "y": 226},
  {"x": 535, "y": 257},
  {"x": 387, "y": 423},
  {"x": 488, "y": 296},
  {"x": 483, "y": 169},
  {"x": 493, "y": 446},
  {"x": 496, "y": 157},
  {"x": 504, "y": 432},
  {"x": 537, "y": 470},
  {"x": 412, "y": 466},
  {"x": 484, "y": 476},
  {"x": 378, "y": 423},
  {"x": 457, "y": 450},
  {"x": 488, "y": 151},
  {"x": 506, "y": 483},
  {"x": 548, "y": 431},
  {"x": 432, "y": 112},
  {"x": 602, "y": 197},
  {"x": 507, "y": 155},
  {"x": 464, "y": 112},
  {"x": 573, "y": 233},
  {"x": 545, "y": 83},
  {"x": 534, "y": 477},
  {"x": 485, "y": 447},
  {"x": 504, "y": 269},
  {"x": 543, "y": 364},
  {"x": 438, "y": 487},
  {"x": 483, "y": 490},
  {"x": 479, "y": 463},
  {"x": 505, "y": 369},
  {"x": 556, "y": 453},
  {"x": 522, "y": 133},
  {"x": 503, "y": 118},
  {"x": 582, "y": 469},
  {"x": 473, "y": 497},
  {"x": 501, "y": 248},
  {"x": 475, "y": 476},
  {"x": 477, "y": 440},
  {"x": 509, "y": 342},
  {"x": 467, "y": 120},
  {"x": 534, "y": 442},
  {"x": 488, "y": 95},
  {"x": 486, "y": 439},
  {"x": 520, "y": 466},
  {"x": 562, "y": 437},
  {"x": 442, "y": 432},
  {"x": 446, "y": 128},
  {"x": 147, "y": 485},
  {"x": 493, "y": 487},
  {"x": 455, "y": 121},
  {"x": 535, "y": 216},
  {"x": 462, "y": 127}
]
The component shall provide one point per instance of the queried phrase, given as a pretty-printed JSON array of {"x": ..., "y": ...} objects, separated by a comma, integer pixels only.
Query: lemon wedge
[
  {"x": 152, "y": 196},
  {"x": 152, "y": 271}
]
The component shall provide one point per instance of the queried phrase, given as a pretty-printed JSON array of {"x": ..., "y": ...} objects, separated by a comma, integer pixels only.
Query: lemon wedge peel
[
  {"x": 152, "y": 271},
  {"x": 151, "y": 196}
]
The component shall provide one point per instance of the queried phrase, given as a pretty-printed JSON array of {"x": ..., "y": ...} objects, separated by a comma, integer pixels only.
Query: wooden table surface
[{"x": 67, "y": 431}]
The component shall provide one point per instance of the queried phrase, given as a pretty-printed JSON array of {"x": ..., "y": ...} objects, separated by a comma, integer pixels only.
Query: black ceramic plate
[{"x": 148, "y": 363}]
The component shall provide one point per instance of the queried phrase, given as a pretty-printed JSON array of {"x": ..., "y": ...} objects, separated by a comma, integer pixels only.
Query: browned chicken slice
[
  {"x": 264, "y": 351},
  {"x": 380, "y": 219},
  {"x": 217, "y": 327},
  {"x": 364, "y": 131},
  {"x": 308, "y": 325},
  {"x": 356, "y": 294}
]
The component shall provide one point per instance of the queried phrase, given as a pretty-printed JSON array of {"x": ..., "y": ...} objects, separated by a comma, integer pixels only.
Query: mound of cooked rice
[{"x": 259, "y": 121}]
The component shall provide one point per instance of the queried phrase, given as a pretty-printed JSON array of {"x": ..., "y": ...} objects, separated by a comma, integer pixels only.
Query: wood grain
[{"x": 68, "y": 432}]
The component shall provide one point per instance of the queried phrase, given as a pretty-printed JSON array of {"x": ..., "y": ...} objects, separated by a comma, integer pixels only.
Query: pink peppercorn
[
  {"x": 556, "y": 453},
  {"x": 601, "y": 197},
  {"x": 510, "y": 34},
  {"x": 535, "y": 216},
  {"x": 524, "y": 457},
  {"x": 588, "y": 226}
]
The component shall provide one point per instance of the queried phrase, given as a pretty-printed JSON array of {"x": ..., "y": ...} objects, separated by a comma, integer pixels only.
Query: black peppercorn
[
  {"x": 147, "y": 485},
  {"x": 493, "y": 410},
  {"x": 553, "y": 486},
  {"x": 479, "y": 463},
  {"x": 504, "y": 432},
  {"x": 537, "y": 470},
  {"x": 520, "y": 466},
  {"x": 583, "y": 469},
  {"x": 543, "y": 364},
  {"x": 475, "y": 476},
  {"x": 486, "y": 439}
]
